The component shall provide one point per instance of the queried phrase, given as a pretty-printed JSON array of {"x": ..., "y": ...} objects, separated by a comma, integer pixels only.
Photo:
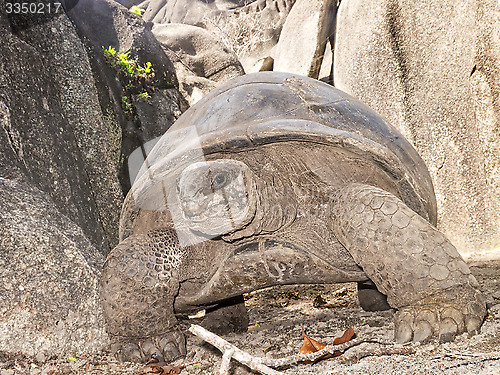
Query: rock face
[
  {"x": 107, "y": 23},
  {"x": 250, "y": 28},
  {"x": 48, "y": 281},
  {"x": 53, "y": 126},
  {"x": 59, "y": 194},
  {"x": 305, "y": 35},
  {"x": 64, "y": 138},
  {"x": 200, "y": 59},
  {"x": 433, "y": 70}
]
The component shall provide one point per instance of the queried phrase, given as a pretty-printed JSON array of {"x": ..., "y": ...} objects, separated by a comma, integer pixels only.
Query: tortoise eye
[{"x": 219, "y": 180}]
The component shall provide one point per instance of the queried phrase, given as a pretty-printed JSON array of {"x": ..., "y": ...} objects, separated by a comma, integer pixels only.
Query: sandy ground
[{"x": 276, "y": 317}]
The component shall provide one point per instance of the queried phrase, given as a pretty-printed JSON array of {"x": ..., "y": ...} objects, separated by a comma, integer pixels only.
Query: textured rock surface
[
  {"x": 250, "y": 28},
  {"x": 305, "y": 35},
  {"x": 201, "y": 60},
  {"x": 49, "y": 302},
  {"x": 433, "y": 70},
  {"x": 129, "y": 3},
  {"x": 53, "y": 129},
  {"x": 193, "y": 12},
  {"x": 60, "y": 197},
  {"x": 107, "y": 23}
]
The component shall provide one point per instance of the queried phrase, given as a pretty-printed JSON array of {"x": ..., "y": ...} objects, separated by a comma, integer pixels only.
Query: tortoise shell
[{"x": 289, "y": 113}]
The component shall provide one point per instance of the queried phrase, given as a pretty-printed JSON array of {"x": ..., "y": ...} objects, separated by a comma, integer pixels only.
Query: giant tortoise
[{"x": 276, "y": 179}]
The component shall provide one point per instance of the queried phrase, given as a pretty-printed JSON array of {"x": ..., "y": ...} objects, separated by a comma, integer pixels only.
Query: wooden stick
[
  {"x": 226, "y": 362},
  {"x": 261, "y": 364},
  {"x": 238, "y": 354}
]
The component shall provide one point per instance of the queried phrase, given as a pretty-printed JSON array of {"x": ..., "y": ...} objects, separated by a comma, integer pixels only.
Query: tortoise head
[{"x": 217, "y": 197}]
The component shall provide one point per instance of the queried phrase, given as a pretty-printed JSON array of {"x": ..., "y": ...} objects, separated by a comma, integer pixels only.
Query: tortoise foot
[
  {"x": 441, "y": 317},
  {"x": 167, "y": 347}
]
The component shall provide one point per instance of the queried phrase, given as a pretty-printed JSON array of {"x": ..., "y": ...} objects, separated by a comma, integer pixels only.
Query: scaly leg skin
[
  {"x": 138, "y": 285},
  {"x": 411, "y": 262}
]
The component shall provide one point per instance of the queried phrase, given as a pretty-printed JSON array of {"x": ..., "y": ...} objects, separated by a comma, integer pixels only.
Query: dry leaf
[
  {"x": 160, "y": 368},
  {"x": 312, "y": 346}
]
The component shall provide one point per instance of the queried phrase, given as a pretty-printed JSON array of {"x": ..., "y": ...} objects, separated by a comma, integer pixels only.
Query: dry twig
[
  {"x": 226, "y": 360},
  {"x": 263, "y": 365}
]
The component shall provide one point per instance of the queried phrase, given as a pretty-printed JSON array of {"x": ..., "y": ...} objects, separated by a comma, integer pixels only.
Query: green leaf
[
  {"x": 143, "y": 95},
  {"x": 110, "y": 51},
  {"x": 136, "y": 10}
]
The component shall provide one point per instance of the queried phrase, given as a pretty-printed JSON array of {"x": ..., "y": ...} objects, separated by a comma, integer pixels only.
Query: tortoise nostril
[{"x": 191, "y": 208}]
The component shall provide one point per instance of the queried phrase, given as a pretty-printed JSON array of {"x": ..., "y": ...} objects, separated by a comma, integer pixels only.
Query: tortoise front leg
[
  {"x": 138, "y": 285},
  {"x": 411, "y": 262}
]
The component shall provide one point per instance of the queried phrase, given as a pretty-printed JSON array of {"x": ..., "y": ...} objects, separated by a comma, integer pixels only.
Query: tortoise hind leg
[
  {"x": 228, "y": 316},
  {"x": 139, "y": 282},
  {"x": 411, "y": 262},
  {"x": 370, "y": 298}
]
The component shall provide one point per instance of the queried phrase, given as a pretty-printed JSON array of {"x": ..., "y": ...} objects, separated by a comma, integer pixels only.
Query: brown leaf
[
  {"x": 347, "y": 336},
  {"x": 160, "y": 368},
  {"x": 312, "y": 346}
]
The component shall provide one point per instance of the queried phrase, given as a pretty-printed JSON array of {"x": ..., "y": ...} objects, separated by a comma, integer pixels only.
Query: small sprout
[
  {"x": 72, "y": 359},
  {"x": 197, "y": 365},
  {"x": 110, "y": 51},
  {"x": 127, "y": 107},
  {"x": 126, "y": 64},
  {"x": 144, "y": 95},
  {"x": 146, "y": 69},
  {"x": 136, "y": 10}
]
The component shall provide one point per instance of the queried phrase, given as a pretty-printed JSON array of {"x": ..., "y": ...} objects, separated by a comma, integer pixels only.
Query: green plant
[
  {"x": 136, "y": 10},
  {"x": 137, "y": 81},
  {"x": 127, "y": 65},
  {"x": 146, "y": 69},
  {"x": 143, "y": 95},
  {"x": 127, "y": 106},
  {"x": 110, "y": 51}
]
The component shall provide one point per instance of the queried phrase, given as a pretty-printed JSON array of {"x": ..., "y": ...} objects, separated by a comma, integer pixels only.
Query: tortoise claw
[
  {"x": 129, "y": 352},
  {"x": 168, "y": 348},
  {"x": 442, "y": 321},
  {"x": 173, "y": 346}
]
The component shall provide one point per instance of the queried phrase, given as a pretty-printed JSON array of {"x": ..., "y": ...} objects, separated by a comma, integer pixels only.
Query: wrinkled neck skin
[
  {"x": 275, "y": 207},
  {"x": 281, "y": 200}
]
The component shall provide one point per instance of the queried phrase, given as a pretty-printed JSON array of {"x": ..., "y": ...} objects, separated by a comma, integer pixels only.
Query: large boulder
[
  {"x": 49, "y": 272},
  {"x": 433, "y": 70},
  {"x": 64, "y": 137},
  {"x": 191, "y": 12},
  {"x": 56, "y": 136},
  {"x": 106, "y": 23},
  {"x": 60, "y": 196},
  {"x": 201, "y": 60},
  {"x": 250, "y": 28},
  {"x": 308, "y": 30}
]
